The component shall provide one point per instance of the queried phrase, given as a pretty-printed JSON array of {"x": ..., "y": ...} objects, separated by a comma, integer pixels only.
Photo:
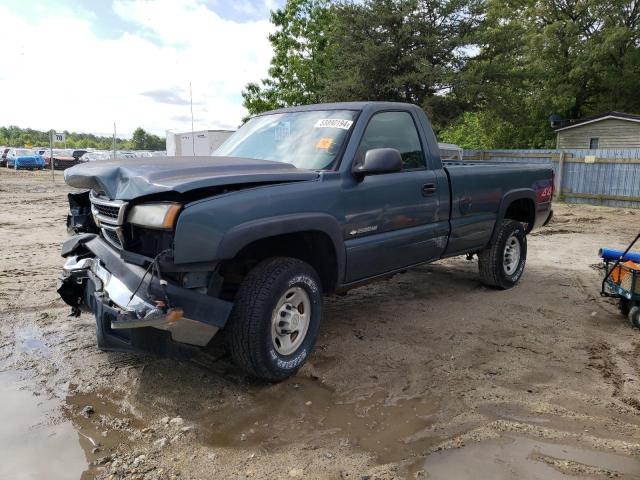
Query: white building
[{"x": 197, "y": 144}]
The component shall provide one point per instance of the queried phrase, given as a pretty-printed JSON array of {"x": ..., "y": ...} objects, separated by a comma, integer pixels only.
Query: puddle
[
  {"x": 34, "y": 444},
  {"x": 295, "y": 410},
  {"x": 30, "y": 339},
  {"x": 523, "y": 458}
]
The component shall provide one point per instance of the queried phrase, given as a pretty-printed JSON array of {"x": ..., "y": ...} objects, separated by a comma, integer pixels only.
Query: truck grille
[
  {"x": 107, "y": 211},
  {"x": 110, "y": 214},
  {"x": 112, "y": 237}
]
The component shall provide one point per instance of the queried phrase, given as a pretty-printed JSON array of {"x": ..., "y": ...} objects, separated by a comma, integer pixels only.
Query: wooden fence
[{"x": 598, "y": 177}]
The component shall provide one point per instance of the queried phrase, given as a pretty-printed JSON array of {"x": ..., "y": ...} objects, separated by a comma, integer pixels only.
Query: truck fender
[
  {"x": 507, "y": 200},
  {"x": 244, "y": 234}
]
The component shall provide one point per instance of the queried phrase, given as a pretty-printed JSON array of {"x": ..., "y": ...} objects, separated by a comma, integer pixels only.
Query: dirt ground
[{"x": 427, "y": 375}]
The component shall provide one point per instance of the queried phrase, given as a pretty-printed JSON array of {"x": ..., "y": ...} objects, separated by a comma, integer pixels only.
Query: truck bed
[{"x": 479, "y": 191}]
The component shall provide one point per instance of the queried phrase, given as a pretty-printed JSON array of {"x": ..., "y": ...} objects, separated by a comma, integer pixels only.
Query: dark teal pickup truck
[{"x": 298, "y": 203}]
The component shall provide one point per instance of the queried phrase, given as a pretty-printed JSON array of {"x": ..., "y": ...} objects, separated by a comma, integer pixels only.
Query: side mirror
[{"x": 380, "y": 160}]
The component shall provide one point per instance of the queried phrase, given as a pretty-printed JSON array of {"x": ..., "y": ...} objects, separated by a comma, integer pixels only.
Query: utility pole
[
  {"x": 193, "y": 136},
  {"x": 53, "y": 176}
]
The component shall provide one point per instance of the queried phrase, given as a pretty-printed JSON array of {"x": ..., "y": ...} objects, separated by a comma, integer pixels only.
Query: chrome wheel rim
[
  {"x": 511, "y": 257},
  {"x": 290, "y": 320}
]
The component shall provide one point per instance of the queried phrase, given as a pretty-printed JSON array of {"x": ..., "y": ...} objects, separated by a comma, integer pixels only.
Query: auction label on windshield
[{"x": 334, "y": 123}]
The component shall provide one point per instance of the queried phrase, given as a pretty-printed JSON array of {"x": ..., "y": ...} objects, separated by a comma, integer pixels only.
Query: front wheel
[
  {"x": 502, "y": 264},
  {"x": 276, "y": 317}
]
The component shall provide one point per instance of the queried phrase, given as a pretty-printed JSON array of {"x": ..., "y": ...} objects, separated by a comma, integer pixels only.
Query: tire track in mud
[{"x": 620, "y": 369}]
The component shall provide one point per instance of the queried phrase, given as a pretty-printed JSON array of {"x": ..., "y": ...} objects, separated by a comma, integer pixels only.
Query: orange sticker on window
[{"x": 324, "y": 143}]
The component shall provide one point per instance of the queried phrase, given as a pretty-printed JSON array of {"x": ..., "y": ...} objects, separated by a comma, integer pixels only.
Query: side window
[{"x": 393, "y": 130}]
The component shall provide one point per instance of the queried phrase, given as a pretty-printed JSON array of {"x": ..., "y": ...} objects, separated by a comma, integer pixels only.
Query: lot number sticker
[{"x": 334, "y": 123}]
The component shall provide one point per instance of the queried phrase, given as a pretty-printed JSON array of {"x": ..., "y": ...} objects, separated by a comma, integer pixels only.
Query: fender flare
[
  {"x": 246, "y": 233},
  {"x": 508, "y": 199}
]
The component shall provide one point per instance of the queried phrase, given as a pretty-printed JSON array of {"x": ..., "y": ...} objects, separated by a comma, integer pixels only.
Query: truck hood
[{"x": 136, "y": 177}]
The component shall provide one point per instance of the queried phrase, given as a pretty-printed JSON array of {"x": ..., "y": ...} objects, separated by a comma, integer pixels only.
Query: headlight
[{"x": 155, "y": 215}]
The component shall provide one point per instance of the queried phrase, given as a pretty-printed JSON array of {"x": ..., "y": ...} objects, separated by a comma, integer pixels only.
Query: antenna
[
  {"x": 114, "y": 140},
  {"x": 193, "y": 136}
]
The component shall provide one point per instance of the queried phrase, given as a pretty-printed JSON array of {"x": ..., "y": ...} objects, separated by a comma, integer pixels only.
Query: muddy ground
[{"x": 427, "y": 375}]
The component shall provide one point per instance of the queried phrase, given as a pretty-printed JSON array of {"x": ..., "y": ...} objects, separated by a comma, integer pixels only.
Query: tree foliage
[
  {"x": 403, "y": 50},
  {"x": 21, "y": 137},
  {"x": 488, "y": 72},
  {"x": 142, "y": 140},
  {"x": 301, "y": 59},
  {"x": 570, "y": 57}
]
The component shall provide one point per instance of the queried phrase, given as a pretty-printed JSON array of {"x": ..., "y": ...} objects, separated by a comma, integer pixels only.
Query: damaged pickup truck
[{"x": 298, "y": 203}]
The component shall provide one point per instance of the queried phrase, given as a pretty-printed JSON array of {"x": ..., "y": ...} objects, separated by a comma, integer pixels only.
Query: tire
[
  {"x": 251, "y": 334},
  {"x": 624, "y": 306},
  {"x": 56, "y": 164},
  {"x": 634, "y": 316},
  {"x": 495, "y": 270}
]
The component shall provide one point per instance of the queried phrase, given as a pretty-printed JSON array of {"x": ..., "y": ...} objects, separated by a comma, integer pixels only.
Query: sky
[{"x": 81, "y": 65}]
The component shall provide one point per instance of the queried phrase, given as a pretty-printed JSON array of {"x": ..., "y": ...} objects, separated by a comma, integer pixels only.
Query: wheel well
[
  {"x": 313, "y": 247},
  {"x": 522, "y": 210}
]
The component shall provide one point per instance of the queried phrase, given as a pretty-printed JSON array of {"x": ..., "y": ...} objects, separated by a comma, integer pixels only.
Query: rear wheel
[
  {"x": 502, "y": 264},
  {"x": 275, "y": 320}
]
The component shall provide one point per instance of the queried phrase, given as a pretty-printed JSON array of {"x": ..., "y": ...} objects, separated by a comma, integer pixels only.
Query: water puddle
[
  {"x": 298, "y": 409},
  {"x": 34, "y": 443},
  {"x": 523, "y": 458}
]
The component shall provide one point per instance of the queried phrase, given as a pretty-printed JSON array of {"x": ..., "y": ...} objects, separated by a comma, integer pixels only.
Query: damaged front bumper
[{"x": 130, "y": 304}]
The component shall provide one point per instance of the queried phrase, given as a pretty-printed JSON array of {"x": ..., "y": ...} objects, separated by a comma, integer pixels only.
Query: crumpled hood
[{"x": 131, "y": 178}]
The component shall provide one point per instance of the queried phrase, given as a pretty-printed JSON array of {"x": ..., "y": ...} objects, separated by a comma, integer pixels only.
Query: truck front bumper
[{"x": 126, "y": 301}]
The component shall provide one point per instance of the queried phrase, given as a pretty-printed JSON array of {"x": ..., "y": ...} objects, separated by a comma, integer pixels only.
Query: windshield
[
  {"x": 23, "y": 152},
  {"x": 309, "y": 139}
]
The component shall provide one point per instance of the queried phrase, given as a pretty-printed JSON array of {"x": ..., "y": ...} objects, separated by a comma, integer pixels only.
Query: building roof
[{"x": 602, "y": 116}]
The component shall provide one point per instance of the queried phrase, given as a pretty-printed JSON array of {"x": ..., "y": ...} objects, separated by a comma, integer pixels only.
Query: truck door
[{"x": 398, "y": 219}]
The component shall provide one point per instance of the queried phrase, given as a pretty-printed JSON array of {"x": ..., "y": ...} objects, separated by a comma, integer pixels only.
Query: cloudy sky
[{"x": 81, "y": 65}]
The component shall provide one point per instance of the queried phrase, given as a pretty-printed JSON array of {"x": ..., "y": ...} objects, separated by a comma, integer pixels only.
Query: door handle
[{"x": 428, "y": 189}]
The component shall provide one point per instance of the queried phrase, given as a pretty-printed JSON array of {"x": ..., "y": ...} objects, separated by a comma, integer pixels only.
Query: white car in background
[{"x": 94, "y": 156}]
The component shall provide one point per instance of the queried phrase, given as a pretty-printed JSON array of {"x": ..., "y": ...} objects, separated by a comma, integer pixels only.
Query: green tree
[
  {"x": 139, "y": 139},
  {"x": 570, "y": 57},
  {"x": 301, "y": 57},
  {"x": 403, "y": 50}
]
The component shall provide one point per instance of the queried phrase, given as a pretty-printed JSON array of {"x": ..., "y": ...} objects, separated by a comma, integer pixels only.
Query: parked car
[
  {"x": 450, "y": 152},
  {"x": 62, "y": 158},
  {"x": 3, "y": 156},
  {"x": 299, "y": 202},
  {"x": 94, "y": 156},
  {"x": 22, "y": 158}
]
